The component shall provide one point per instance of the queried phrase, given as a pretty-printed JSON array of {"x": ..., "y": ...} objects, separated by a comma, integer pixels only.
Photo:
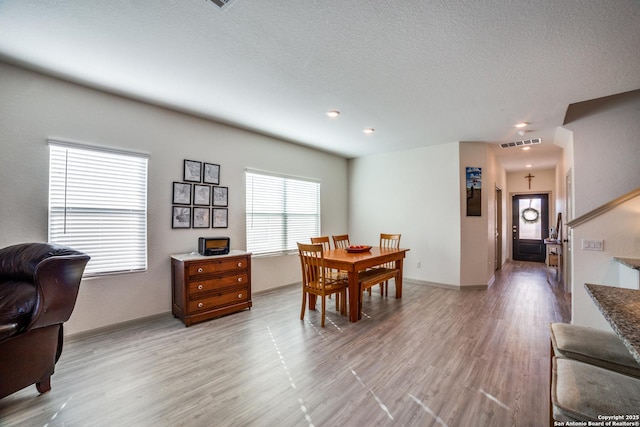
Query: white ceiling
[{"x": 419, "y": 72}]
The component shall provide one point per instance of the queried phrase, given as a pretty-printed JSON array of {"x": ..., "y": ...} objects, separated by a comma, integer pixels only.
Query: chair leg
[
  {"x": 304, "y": 304},
  {"x": 344, "y": 302},
  {"x": 323, "y": 310}
]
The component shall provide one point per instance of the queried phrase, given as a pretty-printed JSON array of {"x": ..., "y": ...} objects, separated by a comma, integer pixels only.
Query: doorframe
[
  {"x": 510, "y": 214},
  {"x": 567, "y": 233},
  {"x": 498, "y": 231}
]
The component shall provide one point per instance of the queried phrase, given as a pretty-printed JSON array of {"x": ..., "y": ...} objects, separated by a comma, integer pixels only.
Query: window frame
[
  {"x": 288, "y": 235},
  {"x": 82, "y": 210}
]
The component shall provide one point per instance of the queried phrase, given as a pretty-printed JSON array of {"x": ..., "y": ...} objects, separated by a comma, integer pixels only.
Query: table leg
[
  {"x": 399, "y": 279},
  {"x": 354, "y": 296},
  {"x": 312, "y": 301}
]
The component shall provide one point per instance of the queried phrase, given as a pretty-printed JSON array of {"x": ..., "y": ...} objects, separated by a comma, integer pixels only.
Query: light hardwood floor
[{"x": 437, "y": 357}]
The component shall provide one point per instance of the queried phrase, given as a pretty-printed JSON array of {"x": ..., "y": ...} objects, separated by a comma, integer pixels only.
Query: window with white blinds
[
  {"x": 98, "y": 205},
  {"x": 281, "y": 211}
]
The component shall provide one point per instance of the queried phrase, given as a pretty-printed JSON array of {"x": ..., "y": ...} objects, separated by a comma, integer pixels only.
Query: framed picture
[
  {"x": 220, "y": 218},
  {"x": 181, "y": 193},
  {"x": 474, "y": 191},
  {"x": 201, "y": 217},
  {"x": 201, "y": 195},
  {"x": 181, "y": 217},
  {"x": 211, "y": 173},
  {"x": 192, "y": 171},
  {"x": 220, "y": 196}
]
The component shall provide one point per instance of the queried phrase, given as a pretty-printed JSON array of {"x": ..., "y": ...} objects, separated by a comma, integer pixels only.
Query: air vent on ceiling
[
  {"x": 521, "y": 143},
  {"x": 222, "y": 4}
]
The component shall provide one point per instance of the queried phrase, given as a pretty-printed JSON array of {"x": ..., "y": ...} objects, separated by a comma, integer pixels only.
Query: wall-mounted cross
[{"x": 530, "y": 177}]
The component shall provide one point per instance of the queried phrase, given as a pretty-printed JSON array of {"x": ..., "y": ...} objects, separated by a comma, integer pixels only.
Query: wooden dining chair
[
  {"x": 332, "y": 273},
  {"x": 316, "y": 280},
  {"x": 380, "y": 275},
  {"x": 388, "y": 241},
  {"x": 326, "y": 245},
  {"x": 323, "y": 240},
  {"x": 341, "y": 241}
]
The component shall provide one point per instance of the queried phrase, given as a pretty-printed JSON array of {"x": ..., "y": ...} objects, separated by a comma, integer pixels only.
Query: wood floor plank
[{"x": 436, "y": 357}]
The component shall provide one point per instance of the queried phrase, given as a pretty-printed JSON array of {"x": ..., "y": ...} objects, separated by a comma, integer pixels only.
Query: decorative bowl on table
[{"x": 358, "y": 248}]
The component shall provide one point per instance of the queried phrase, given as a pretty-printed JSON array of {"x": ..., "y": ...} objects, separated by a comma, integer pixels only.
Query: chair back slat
[
  {"x": 390, "y": 241},
  {"x": 341, "y": 241},
  {"x": 323, "y": 240}
]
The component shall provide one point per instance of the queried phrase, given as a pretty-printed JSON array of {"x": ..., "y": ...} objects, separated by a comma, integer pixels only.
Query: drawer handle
[
  {"x": 239, "y": 279},
  {"x": 200, "y": 287},
  {"x": 239, "y": 295},
  {"x": 239, "y": 264},
  {"x": 199, "y": 269},
  {"x": 200, "y": 305}
]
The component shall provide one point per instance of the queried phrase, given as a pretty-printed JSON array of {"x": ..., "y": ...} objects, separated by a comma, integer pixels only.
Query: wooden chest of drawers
[{"x": 204, "y": 287}]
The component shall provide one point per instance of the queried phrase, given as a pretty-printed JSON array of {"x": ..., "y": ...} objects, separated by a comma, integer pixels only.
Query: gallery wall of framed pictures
[{"x": 199, "y": 201}]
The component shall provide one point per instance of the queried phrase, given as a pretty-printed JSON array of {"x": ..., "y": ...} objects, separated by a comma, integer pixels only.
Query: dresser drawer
[
  {"x": 241, "y": 278},
  {"x": 222, "y": 265},
  {"x": 237, "y": 295}
]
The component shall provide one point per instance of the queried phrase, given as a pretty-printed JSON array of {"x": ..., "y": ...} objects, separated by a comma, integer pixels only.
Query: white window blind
[
  {"x": 98, "y": 205},
  {"x": 281, "y": 211}
]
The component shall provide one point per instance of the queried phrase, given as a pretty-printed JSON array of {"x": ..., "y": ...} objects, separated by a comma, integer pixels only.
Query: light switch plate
[{"x": 592, "y": 245}]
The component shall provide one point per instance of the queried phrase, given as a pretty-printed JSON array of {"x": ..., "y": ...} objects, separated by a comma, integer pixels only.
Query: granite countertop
[
  {"x": 629, "y": 262},
  {"x": 621, "y": 308}
]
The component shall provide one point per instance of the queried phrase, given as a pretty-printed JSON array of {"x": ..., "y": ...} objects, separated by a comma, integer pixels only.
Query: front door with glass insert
[{"x": 530, "y": 226}]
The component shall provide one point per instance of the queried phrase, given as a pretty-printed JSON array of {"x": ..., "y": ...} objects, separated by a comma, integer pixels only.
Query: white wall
[
  {"x": 606, "y": 149},
  {"x": 477, "y": 246},
  {"x": 415, "y": 193},
  {"x": 544, "y": 181},
  {"x": 606, "y": 152},
  {"x": 620, "y": 230},
  {"x": 34, "y": 107},
  {"x": 420, "y": 193}
]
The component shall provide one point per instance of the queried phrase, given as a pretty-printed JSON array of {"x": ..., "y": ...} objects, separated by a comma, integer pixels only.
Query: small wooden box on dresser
[{"x": 204, "y": 287}]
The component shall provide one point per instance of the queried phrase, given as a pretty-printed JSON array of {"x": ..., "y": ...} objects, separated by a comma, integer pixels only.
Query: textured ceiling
[{"x": 419, "y": 72}]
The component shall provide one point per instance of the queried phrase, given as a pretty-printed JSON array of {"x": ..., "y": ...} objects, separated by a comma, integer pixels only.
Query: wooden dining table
[{"x": 353, "y": 263}]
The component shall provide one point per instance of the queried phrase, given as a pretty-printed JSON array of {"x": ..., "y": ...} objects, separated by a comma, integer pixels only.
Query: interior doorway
[
  {"x": 566, "y": 233},
  {"x": 498, "y": 242},
  {"x": 530, "y": 226}
]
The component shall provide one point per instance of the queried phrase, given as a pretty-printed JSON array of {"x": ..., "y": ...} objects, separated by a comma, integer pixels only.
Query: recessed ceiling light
[
  {"x": 522, "y": 125},
  {"x": 526, "y": 148},
  {"x": 369, "y": 130},
  {"x": 333, "y": 113},
  {"x": 529, "y": 165}
]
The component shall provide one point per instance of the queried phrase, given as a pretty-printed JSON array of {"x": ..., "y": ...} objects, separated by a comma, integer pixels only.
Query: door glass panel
[{"x": 530, "y": 226}]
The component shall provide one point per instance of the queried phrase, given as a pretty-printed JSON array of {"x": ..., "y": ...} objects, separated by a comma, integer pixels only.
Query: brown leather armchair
[{"x": 39, "y": 285}]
